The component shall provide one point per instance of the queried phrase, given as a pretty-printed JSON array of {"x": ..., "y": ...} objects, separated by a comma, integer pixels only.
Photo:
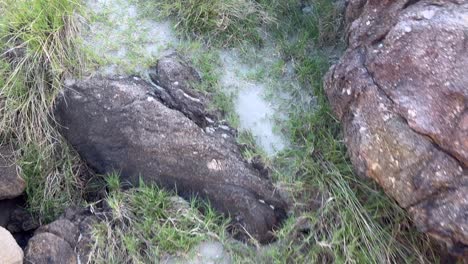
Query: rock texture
[
  {"x": 11, "y": 184},
  {"x": 175, "y": 79},
  {"x": 122, "y": 125},
  {"x": 67, "y": 240},
  {"x": 401, "y": 92},
  {"x": 10, "y": 252}
]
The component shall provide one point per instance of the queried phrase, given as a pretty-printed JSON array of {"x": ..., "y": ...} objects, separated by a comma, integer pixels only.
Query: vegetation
[
  {"x": 218, "y": 22},
  {"x": 146, "y": 223},
  {"x": 37, "y": 50},
  {"x": 348, "y": 219},
  {"x": 337, "y": 217}
]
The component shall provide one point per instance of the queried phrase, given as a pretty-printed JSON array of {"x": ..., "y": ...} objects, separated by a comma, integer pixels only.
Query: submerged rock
[
  {"x": 401, "y": 92},
  {"x": 121, "y": 125},
  {"x": 11, "y": 184},
  {"x": 10, "y": 252}
]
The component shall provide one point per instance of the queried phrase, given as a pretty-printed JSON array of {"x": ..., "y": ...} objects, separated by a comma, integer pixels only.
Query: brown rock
[
  {"x": 11, "y": 184},
  {"x": 401, "y": 92},
  {"x": 10, "y": 252}
]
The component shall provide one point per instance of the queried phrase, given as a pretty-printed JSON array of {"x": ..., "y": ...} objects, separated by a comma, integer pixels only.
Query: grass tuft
[
  {"x": 218, "y": 22},
  {"x": 147, "y": 223},
  {"x": 37, "y": 49}
]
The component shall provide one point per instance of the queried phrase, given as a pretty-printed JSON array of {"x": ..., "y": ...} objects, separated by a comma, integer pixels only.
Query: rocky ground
[{"x": 175, "y": 132}]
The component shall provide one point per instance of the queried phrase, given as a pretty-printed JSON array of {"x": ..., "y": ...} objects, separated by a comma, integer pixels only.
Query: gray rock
[
  {"x": 47, "y": 248},
  {"x": 66, "y": 240},
  {"x": 11, "y": 184},
  {"x": 121, "y": 125},
  {"x": 401, "y": 92}
]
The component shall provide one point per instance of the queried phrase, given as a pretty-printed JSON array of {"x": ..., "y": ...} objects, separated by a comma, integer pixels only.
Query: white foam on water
[{"x": 256, "y": 113}]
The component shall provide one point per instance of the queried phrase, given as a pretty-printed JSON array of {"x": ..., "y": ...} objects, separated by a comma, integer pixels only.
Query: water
[
  {"x": 126, "y": 42},
  {"x": 123, "y": 39},
  {"x": 205, "y": 253},
  {"x": 255, "y": 112}
]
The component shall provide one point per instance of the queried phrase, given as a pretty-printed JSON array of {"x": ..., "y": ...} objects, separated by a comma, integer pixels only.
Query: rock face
[
  {"x": 10, "y": 252},
  {"x": 401, "y": 92},
  {"x": 67, "y": 240},
  {"x": 121, "y": 125},
  {"x": 11, "y": 184}
]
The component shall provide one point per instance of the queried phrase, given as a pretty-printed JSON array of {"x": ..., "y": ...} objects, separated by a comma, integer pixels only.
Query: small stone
[
  {"x": 48, "y": 248},
  {"x": 10, "y": 252},
  {"x": 211, "y": 252},
  {"x": 11, "y": 184},
  {"x": 307, "y": 10}
]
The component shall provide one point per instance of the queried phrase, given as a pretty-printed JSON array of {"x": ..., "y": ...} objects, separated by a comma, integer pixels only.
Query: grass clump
[
  {"x": 218, "y": 22},
  {"x": 147, "y": 223},
  {"x": 38, "y": 47}
]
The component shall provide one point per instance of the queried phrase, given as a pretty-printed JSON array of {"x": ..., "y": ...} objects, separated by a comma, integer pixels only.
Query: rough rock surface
[
  {"x": 10, "y": 252},
  {"x": 11, "y": 184},
  {"x": 401, "y": 92},
  {"x": 66, "y": 240},
  {"x": 175, "y": 79},
  {"x": 121, "y": 125}
]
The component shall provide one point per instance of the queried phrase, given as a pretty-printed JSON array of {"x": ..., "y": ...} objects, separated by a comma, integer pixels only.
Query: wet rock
[
  {"x": 11, "y": 184},
  {"x": 401, "y": 92},
  {"x": 66, "y": 240},
  {"x": 121, "y": 125},
  {"x": 10, "y": 252}
]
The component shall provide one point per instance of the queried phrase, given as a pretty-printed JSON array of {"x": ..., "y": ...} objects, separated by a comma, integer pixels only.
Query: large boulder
[
  {"x": 122, "y": 125},
  {"x": 11, "y": 184},
  {"x": 401, "y": 92},
  {"x": 10, "y": 252}
]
